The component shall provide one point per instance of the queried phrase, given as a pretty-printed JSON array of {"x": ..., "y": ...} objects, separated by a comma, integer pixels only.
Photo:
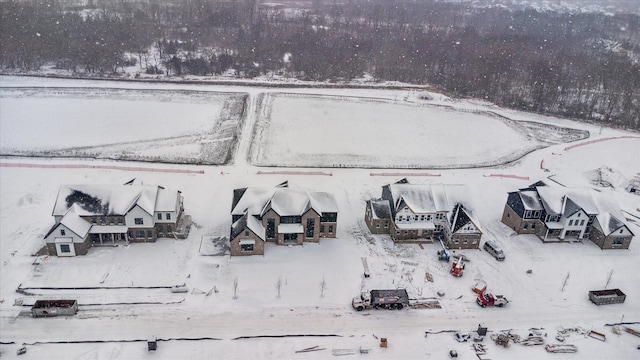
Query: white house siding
[
  {"x": 577, "y": 224},
  {"x": 79, "y": 245},
  {"x": 137, "y": 212}
]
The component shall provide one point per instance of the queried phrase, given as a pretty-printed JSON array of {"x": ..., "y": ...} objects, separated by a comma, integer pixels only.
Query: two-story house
[
  {"x": 93, "y": 215},
  {"x": 282, "y": 215},
  {"x": 555, "y": 213},
  {"x": 417, "y": 212}
]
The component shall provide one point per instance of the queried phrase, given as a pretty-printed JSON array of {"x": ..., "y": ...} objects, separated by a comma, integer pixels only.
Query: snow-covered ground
[{"x": 538, "y": 299}]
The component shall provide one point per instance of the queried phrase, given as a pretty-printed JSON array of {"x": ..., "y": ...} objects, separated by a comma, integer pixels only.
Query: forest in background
[{"x": 574, "y": 64}]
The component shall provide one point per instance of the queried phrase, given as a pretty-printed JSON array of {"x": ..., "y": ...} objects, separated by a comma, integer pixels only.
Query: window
[
  {"x": 581, "y": 222},
  {"x": 159, "y": 216},
  {"x": 120, "y": 220},
  {"x": 526, "y": 226},
  {"x": 617, "y": 241},
  {"x": 139, "y": 221},
  {"x": 62, "y": 232},
  {"x": 330, "y": 229},
  {"x": 377, "y": 225},
  {"x": 140, "y": 234},
  {"x": 322, "y": 228},
  {"x": 65, "y": 248},
  {"x": 149, "y": 234},
  {"x": 271, "y": 228},
  {"x": 386, "y": 224},
  {"x": 246, "y": 233},
  {"x": 311, "y": 227},
  {"x": 168, "y": 216},
  {"x": 246, "y": 247},
  {"x": 533, "y": 226},
  {"x": 570, "y": 222},
  {"x": 329, "y": 217},
  {"x": 290, "y": 219}
]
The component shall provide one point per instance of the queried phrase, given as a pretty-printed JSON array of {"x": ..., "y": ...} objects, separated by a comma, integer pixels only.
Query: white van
[{"x": 493, "y": 249}]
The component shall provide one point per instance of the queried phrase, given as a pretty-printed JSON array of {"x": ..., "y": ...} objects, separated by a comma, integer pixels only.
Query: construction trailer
[
  {"x": 607, "y": 297},
  {"x": 50, "y": 308}
]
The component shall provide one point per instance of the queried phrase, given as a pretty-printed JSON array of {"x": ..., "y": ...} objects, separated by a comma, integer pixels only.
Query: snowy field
[
  {"x": 114, "y": 324},
  {"x": 176, "y": 126},
  {"x": 322, "y": 131}
]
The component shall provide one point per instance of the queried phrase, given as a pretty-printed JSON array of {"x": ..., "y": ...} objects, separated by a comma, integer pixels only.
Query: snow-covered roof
[
  {"x": 610, "y": 218},
  {"x": 167, "y": 200},
  {"x": 75, "y": 223},
  {"x": 256, "y": 226},
  {"x": 286, "y": 201},
  {"x": 290, "y": 229},
  {"x": 247, "y": 222},
  {"x": 553, "y": 199},
  {"x": 380, "y": 209},
  {"x": 418, "y": 197},
  {"x": 289, "y": 202},
  {"x": 111, "y": 199},
  {"x": 323, "y": 201},
  {"x": 428, "y": 198},
  {"x": 530, "y": 200}
]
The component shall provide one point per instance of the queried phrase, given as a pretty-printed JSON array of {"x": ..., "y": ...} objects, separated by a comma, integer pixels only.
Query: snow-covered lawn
[
  {"x": 538, "y": 299},
  {"x": 151, "y": 125},
  {"x": 339, "y": 131}
]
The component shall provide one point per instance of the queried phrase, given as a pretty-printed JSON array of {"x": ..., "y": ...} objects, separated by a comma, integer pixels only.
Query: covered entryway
[
  {"x": 290, "y": 233},
  {"x": 108, "y": 235}
]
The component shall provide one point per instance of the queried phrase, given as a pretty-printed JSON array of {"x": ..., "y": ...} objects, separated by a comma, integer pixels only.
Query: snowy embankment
[{"x": 552, "y": 295}]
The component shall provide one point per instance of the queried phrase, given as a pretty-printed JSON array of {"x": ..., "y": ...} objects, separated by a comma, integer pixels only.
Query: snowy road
[{"x": 172, "y": 321}]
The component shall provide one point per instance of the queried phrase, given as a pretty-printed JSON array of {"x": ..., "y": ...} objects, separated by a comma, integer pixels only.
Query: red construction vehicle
[
  {"x": 457, "y": 267},
  {"x": 488, "y": 299}
]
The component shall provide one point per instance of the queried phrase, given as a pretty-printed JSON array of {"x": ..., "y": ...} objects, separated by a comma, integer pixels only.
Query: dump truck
[
  {"x": 385, "y": 299},
  {"x": 488, "y": 299}
]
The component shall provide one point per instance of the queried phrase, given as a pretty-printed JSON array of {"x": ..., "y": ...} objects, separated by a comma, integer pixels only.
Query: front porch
[{"x": 108, "y": 235}]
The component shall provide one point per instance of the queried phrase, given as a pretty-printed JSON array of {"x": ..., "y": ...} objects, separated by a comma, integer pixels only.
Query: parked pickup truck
[
  {"x": 488, "y": 299},
  {"x": 386, "y": 299}
]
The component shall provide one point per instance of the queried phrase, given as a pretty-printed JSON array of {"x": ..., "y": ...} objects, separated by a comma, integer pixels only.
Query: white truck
[{"x": 386, "y": 299}]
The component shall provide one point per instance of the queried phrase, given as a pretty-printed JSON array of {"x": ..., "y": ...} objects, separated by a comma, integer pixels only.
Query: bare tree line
[{"x": 582, "y": 65}]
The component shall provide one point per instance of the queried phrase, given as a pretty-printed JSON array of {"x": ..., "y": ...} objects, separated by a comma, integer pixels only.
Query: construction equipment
[
  {"x": 386, "y": 299},
  {"x": 443, "y": 255},
  {"x": 488, "y": 299},
  {"x": 457, "y": 267}
]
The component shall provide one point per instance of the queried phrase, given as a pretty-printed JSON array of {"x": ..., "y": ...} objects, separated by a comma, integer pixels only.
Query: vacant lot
[
  {"x": 329, "y": 131},
  {"x": 142, "y": 125}
]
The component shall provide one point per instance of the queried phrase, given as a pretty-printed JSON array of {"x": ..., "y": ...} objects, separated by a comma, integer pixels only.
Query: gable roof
[
  {"x": 610, "y": 217},
  {"x": 284, "y": 200},
  {"x": 247, "y": 222},
  {"x": 554, "y": 198},
  {"x": 426, "y": 198},
  {"x": 72, "y": 221},
  {"x": 113, "y": 199},
  {"x": 380, "y": 209}
]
